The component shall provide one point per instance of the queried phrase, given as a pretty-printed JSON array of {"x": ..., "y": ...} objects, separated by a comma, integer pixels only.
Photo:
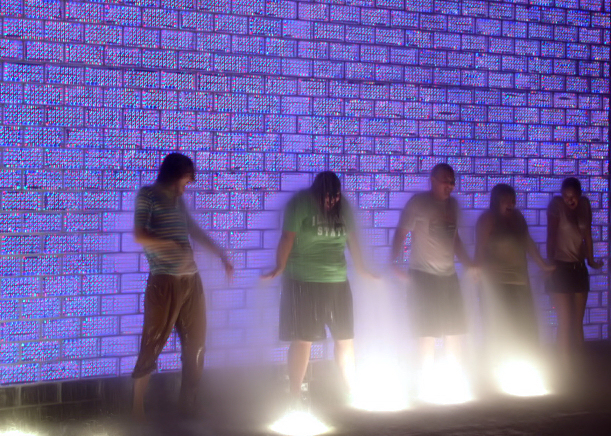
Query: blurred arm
[
  {"x": 355, "y": 251},
  {"x": 552, "y": 232},
  {"x": 282, "y": 253},
  {"x": 398, "y": 243},
  {"x": 483, "y": 228},
  {"x": 461, "y": 252},
  {"x": 587, "y": 237},
  {"x": 533, "y": 251},
  {"x": 403, "y": 228},
  {"x": 142, "y": 218},
  {"x": 202, "y": 238}
]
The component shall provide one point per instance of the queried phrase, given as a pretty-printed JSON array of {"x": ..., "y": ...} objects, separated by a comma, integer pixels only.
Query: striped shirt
[{"x": 165, "y": 218}]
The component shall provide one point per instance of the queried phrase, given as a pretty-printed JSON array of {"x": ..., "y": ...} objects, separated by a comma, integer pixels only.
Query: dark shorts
[
  {"x": 569, "y": 278},
  {"x": 437, "y": 305},
  {"x": 305, "y": 309}
]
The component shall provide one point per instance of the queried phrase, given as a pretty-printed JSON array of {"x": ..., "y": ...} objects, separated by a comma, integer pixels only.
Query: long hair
[
  {"x": 571, "y": 183},
  {"x": 328, "y": 184},
  {"x": 174, "y": 167},
  {"x": 500, "y": 191}
]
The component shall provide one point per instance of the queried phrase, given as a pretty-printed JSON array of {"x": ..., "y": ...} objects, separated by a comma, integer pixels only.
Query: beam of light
[
  {"x": 444, "y": 382},
  {"x": 380, "y": 387},
  {"x": 521, "y": 378},
  {"x": 299, "y": 423},
  {"x": 13, "y": 432}
]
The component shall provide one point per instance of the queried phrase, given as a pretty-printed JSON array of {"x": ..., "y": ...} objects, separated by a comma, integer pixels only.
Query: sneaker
[{"x": 298, "y": 404}]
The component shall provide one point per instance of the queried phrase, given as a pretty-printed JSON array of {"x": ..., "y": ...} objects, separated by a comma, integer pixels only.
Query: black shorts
[
  {"x": 437, "y": 305},
  {"x": 306, "y": 307},
  {"x": 569, "y": 278}
]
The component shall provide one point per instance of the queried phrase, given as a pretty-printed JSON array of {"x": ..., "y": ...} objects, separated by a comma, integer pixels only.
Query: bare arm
[
  {"x": 142, "y": 216},
  {"x": 398, "y": 243},
  {"x": 282, "y": 253},
  {"x": 587, "y": 237},
  {"x": 533, "y": 251},
  {"x": 202, "y": 238},
  {"x": 403, "y": 228},
  {"x": 461, "y": 252},
  {"x": 355, "y": 251},
  {"x": 483, "y": 229},
  {"x": 552, "y": 235}
]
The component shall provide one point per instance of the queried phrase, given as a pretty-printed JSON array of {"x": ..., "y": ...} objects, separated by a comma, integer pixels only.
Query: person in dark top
[
  {"x": 569, "y": 245},
  {"x": 318, "y": 225},
  {"x": 502, "y": 245},
  {"x": 174, "y": 294}
]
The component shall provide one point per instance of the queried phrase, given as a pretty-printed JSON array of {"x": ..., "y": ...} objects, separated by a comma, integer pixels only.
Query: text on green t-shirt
[{"x": 318, "y": 250}]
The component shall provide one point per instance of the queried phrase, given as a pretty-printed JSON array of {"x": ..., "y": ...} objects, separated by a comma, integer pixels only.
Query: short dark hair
[
  {"x": 500, "y": 191},
  {"x": 571, "y": 183},
  {"x": 442, "y": 168},
  {"x": 174, "y": 167}
]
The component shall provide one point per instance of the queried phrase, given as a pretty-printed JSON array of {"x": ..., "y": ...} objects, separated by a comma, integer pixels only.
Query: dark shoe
[{"x": 187, "y": 408}]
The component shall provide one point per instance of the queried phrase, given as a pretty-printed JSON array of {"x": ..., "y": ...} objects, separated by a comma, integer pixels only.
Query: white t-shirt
[
  {"x": 433, "y": 225},
  {"x": 570, "y": 246}
]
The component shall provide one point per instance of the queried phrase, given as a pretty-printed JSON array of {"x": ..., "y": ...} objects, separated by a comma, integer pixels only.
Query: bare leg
[
  {"x": 579, "y": 309},
  {"x": 298, "y": 359},
  {"x": 140, "y": 385},
  {"x": 425, "y": 374},
  {"x": 344, "y": 356},
  {"x": 454, "y": 347},
  {"x": 563, "y": 303},
  {"x": 427, "y": 351}
]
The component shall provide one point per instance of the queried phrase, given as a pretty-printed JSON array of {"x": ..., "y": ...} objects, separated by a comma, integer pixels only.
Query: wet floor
[{"x": 582, "y": 409}]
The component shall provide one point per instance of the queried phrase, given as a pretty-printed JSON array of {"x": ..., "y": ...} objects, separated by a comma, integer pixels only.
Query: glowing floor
[
  {"x": 517, "y": 416},
  {"x": 584, "y": 409}
]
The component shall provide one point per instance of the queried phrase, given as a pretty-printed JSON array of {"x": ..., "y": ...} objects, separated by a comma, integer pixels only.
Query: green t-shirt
[{"x": 318, "y": 250}]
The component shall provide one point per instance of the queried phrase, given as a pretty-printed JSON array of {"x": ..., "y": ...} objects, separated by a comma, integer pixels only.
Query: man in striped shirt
[{"x": 174, "y": 294}]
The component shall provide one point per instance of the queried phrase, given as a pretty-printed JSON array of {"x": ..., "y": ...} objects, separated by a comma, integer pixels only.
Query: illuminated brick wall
[{"x": 262, "y": 94}]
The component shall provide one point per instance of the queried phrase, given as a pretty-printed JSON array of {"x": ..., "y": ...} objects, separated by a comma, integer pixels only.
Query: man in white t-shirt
[{"x": 432, "y": 219}]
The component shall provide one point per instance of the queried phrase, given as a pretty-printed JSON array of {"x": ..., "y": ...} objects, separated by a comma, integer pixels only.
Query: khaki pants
[{"x": 174, "y": 301}]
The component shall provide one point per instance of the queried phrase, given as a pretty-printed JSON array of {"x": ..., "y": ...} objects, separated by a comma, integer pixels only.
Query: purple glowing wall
[{"x": 262, "y": 94}]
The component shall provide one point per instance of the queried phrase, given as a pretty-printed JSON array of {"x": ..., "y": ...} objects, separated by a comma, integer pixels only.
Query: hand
[
  {"x": 228, "y": 267},
  {"x": 596, "y": 264},
  {"x": 369, "y": 275},
  {"x": 272, "y": 274},
  {"x": 548, "y": 268},
  {"x": 405, "y": 276},
  {"x": 474, "y": 272}
]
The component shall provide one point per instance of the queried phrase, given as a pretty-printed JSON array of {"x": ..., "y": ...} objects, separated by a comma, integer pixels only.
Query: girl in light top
[
  {"x": 502, "y": 245},
  {"x": 569, "y": 245}
]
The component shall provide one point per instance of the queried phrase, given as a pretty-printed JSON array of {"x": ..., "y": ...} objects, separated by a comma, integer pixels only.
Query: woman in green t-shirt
[{"x": 318, "y": 224}]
